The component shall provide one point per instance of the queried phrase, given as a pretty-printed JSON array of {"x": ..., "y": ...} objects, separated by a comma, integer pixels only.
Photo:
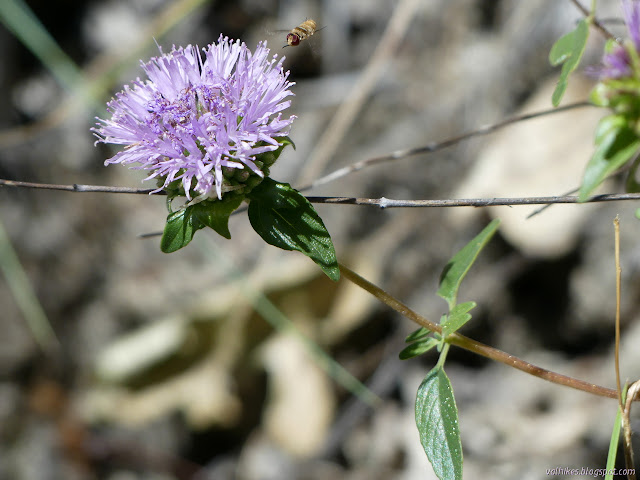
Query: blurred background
[{"x": 232, "y": 359}]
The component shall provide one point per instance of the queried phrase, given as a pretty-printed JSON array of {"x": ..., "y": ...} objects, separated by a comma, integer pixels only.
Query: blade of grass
[
  {"x": 21, "y": 21},
  {"x": 613, "y": 446},
  {"x": 25, "y": 297},
  {"x": 97, "y": 77},
  {"x": 282, "y": 323}
]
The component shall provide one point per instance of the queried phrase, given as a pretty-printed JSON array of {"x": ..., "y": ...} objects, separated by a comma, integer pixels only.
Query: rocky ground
[{"x": 176, "y": 366}]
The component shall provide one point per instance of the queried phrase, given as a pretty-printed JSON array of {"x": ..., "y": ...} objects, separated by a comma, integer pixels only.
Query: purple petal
[{"x": 631, "y": 9}]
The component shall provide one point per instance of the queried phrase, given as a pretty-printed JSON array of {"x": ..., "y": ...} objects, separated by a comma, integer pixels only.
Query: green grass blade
[
  {"x": 280, "y": 322},
  {"x": 21, "y": 21},
  {"x": 613, "y": 445},
  {"x": 25, "y": 297}
]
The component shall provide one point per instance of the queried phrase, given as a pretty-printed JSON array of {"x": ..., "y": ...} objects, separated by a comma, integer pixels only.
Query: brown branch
[
  {"x": 474, "y": 346},
  {"x": 616, "y": 226},
  {"x": 601, "y": 28}
]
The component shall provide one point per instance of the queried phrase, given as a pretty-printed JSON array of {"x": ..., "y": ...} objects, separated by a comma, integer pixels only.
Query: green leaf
[
  {"x": 568, "y": 50},
  {"x": 418, "y": 348},
  {"x": 621, "y": 95},
  {"x": 269, "y": 158},
  {"x": 284, "y": 218},
  {"x": 608, "y": 124},
  {"x": 616, "y": 144},
  {"x": 179, "y": 230},
  {"x": 183, "y": 224},
  {"x": 579, "y": 45},
  {"x": 285, "y": 141},
  {"x": 215, "y": 214},
  {"x": 632, "y": 185},
  {"x": 562, "y": 50},
  {"x": 561, "y": 88},
  {"x": 418, "y": 334},
  {"x": 455, "y": 271},
  {"x": 437, "y": 421},
  {"x": 457, "y": 318},
  {"x": 600, "y": 95}
]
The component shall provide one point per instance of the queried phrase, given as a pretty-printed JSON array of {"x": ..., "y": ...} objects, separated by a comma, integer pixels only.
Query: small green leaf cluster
[
  {"x": 617, "y": 138},
  {"x": 436, "y": 411},
  {"x": 423, "y": 340},
  {"x": 281, "y": 215},
  {"x": 617, "y": 143},
  {"x": 183, "y": 224}
]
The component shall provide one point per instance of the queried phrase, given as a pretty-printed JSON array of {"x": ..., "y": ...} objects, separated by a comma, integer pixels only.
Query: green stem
[{"x": 443, "y": 356}]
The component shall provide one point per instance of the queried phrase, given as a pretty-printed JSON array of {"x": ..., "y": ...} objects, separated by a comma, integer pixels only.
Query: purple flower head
[
  {"x": 196, "y": 116},
  {"x": 617, "y": 62},
  {"x": 631, "y": 10}
]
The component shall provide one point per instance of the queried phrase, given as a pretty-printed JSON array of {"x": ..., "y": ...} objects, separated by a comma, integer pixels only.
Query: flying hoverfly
[{"x": 301, "y": 32}]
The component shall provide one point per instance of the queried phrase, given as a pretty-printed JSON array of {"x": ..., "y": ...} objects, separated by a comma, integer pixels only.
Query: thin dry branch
[
  {"x": 381, "y": 202},
  {"x": 80, "y": 188},
  {"x": 616, "y": 226},
  {"x": 346, "y": 114},
  {"x": 474, "y": 346},
  {"x": 437, "y": 146},
  {"x": 399, "y": 154}
]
